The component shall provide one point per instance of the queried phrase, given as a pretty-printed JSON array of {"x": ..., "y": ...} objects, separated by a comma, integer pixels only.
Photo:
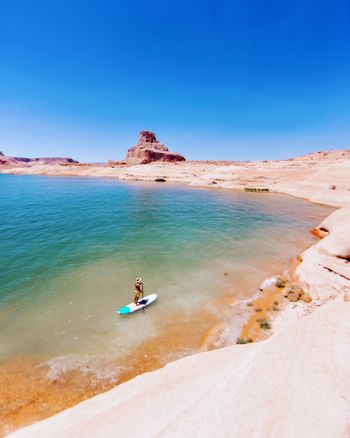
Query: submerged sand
[{"x": 297, "y": 382}]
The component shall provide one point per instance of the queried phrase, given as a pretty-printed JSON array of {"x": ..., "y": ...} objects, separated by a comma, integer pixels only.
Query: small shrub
[
  {"x": 281, "y": 283},
  {"x": 293, "y": 293},
  {"x": 244, "y": 340},
  {"x": 264, "y": 323},
  {"x": 306, "y": 297}
]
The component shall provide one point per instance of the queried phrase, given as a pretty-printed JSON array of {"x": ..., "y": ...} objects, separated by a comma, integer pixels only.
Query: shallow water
[{"x": 71, "y": 248}]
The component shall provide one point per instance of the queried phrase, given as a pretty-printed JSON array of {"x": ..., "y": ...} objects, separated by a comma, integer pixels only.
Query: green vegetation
[
  {"x": 256, "y": 190},
  {"x": 244, "y": 340},
  {"x": 264, "y": 323}
]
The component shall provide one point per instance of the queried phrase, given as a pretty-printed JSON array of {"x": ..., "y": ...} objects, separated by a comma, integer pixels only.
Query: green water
[{"x": 71, "y": 248}]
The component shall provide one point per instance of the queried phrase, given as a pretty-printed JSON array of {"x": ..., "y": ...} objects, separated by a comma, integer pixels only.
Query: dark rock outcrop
[{"x": 148, "y": 150}]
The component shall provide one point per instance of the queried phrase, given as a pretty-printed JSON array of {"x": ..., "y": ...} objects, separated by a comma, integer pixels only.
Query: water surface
[{"x": 71, "y": 248}]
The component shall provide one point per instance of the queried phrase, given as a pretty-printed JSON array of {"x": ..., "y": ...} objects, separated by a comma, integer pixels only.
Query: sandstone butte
[
  {"x": 148, "y": 150},
  {"x": 296, "y": 382}
]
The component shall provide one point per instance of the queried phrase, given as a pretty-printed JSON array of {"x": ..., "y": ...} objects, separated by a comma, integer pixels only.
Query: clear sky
[{"x": 239, "y": 79}]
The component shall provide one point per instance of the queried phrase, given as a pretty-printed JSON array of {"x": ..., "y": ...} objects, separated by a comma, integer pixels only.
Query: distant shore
[{"x": 320, "y": 177}]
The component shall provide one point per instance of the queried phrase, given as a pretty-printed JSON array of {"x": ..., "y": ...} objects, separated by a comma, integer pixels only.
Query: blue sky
[{"x": 244, "y": 79}]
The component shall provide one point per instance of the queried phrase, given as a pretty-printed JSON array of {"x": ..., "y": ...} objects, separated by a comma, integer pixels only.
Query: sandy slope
[{"x": 294, "y": 384}]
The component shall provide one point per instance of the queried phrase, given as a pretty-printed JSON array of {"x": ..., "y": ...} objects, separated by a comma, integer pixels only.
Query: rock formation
[
  {"x": 148, "y": 150},
  {"x": 52, "y": 160}
]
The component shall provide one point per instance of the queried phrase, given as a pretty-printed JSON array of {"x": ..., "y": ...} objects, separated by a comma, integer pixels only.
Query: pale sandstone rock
[{"x": 326, "y": 266}]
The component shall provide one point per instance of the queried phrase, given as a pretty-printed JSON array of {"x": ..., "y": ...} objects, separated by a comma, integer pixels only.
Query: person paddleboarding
[{"x": 138, "y": 290}]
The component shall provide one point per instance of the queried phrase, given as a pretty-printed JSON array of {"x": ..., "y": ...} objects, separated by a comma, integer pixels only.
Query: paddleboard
[{"x": 131, "y": 308}]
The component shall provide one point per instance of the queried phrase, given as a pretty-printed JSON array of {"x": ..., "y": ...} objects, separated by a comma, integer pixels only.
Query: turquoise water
[{"x": 71, "y": 248}]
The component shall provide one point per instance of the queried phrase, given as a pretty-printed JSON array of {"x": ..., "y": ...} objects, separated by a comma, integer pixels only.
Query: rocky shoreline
[{"x": 255, "y": 388}]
